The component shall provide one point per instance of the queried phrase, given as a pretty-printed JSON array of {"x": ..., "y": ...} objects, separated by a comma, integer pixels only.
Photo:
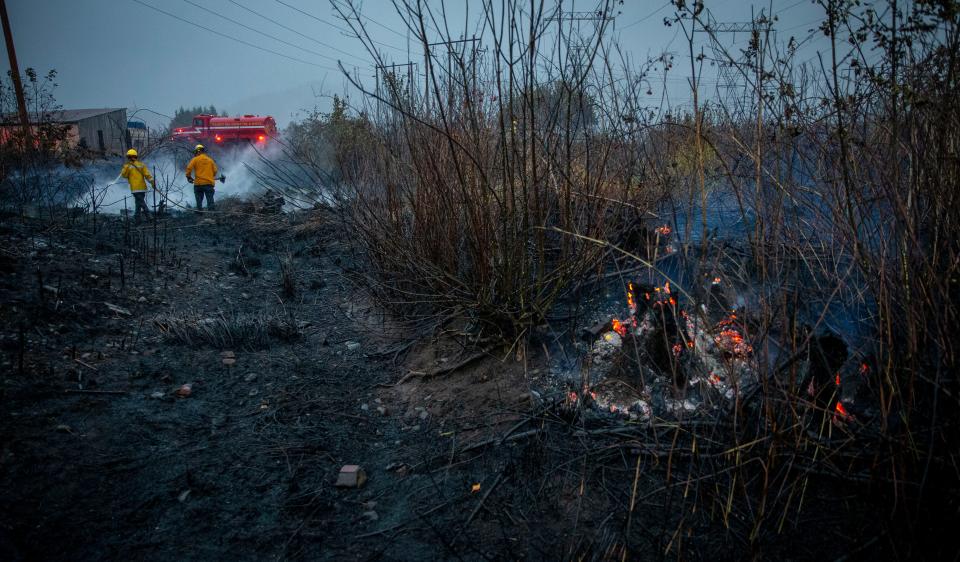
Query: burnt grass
[{"x": 102, "y": 322}]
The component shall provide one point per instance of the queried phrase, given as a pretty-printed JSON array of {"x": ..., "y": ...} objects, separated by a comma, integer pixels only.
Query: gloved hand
[{"x": 190, "y": 180}]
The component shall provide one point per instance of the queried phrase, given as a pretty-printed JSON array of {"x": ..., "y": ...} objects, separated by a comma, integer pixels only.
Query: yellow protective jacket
[
  {"x": 137, "y": 174},
  {"x": 204, "y": 168}
]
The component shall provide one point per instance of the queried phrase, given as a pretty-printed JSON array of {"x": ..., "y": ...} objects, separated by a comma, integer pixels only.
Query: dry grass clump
[{"x": 228, "y": 330}]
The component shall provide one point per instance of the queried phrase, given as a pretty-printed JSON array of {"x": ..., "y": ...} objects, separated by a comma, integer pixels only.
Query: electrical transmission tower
[{"x": 730, "y": 73}]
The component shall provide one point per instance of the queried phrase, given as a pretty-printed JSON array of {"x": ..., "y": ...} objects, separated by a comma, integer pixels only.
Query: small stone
[
  {"x": 371, "y": 515},
  {"x": 254, "y": 392},
  {"x": 353, "y": 345},
  {"x": 415, "y": 428},
  {"x": 228, "y": 354},
  {"x": 228, "y": 361},
  {"x": 183, "y": 496},
  {"x": 142, "y": 299},
  {"x": 424, "y": 415},
  {"x": 185, "y": 390},
  {"x": 351, "y": 476},
  {"x": 250, "y": 377},
  {"x": 364, "y": 407},
  {"x": 383, "y": 411},
  {"x": 157, "y": 395}
]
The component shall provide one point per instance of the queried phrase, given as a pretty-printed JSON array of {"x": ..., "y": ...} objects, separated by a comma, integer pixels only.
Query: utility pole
[
  {"x": 389, "y": 76},
  {"x": 15, "y": 75},
  {"x": 450, "y": 54}
]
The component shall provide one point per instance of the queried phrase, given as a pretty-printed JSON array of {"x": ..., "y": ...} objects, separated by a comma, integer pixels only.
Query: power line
[
  {"x": 792, "y": 6},
  {"x": 224, "y": 35},
  {"x": 648, "y": 16},
  {"x": 309, "y": 15},
  {"x": 267, "y": 35},
  {"x": 809, "y": 23},
  {"x": 347, "y": 31},
  {"x": 290, "y": 29}
]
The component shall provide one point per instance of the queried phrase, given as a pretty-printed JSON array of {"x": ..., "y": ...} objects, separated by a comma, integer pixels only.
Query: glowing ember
[
  {"x": 716, "y": 281},
  {"x": 474, "y": 488},
  {"x": 619, "y": 327},
  {"x": 838, "y": 379},
  {"x": 730, "y": 341},
  {"x": 864, "y": 369},
  {"x": 840, "y": 413},
  {"x": 663, "y": 230},
  {"x": 572, "y": 396},
  {"x": 677, "y": 349},
  {"x": 630, "y": 300},
  {"x": 714, "y": 379}
]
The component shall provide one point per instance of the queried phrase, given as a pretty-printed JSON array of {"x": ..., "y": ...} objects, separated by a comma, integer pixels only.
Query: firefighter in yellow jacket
[
  {"x": 137, "y": 175},
  {"x": 202, "y": 173}
]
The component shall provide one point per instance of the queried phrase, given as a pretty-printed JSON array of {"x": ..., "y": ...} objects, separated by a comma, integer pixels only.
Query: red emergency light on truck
[{"x": 212, "y": 130}]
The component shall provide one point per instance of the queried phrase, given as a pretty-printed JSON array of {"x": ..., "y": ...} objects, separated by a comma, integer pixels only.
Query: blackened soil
[
  {"x": 293, "y": 373},
  {"x": 101, "y": 459}
]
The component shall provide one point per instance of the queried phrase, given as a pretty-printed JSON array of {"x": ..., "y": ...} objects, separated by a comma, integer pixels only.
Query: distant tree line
[{"x": 184, "y": 115}]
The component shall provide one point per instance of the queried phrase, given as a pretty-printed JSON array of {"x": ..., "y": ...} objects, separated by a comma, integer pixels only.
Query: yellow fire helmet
[
  {"x": 199, "y": 148},
  {"x": 132, "y": 152}
]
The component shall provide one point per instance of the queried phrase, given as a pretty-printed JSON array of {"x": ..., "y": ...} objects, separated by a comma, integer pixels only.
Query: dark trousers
[
  {"x": 140, "y": 200},
  {"x": 203, "y": 190}
]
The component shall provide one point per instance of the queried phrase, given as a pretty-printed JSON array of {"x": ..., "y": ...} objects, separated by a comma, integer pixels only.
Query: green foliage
[
  {"x": 328, "y": 140},
  {"x": 183, "y": 116}
]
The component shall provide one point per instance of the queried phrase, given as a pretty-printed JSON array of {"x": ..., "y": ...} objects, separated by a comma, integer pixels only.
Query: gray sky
[{"x": 120, "y": 53}]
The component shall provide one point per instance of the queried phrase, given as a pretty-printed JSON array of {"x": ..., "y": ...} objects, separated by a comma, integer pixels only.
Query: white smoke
[{"x": 244, "y": 169}]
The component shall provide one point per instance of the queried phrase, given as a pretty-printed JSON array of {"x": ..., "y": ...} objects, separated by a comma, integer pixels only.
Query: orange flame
[
  {"x": 841, "y": 411},
  {"x": 677, "y": 348},
  {"x": 663, "y": 230},
  {"x": 619, "y": 327}
]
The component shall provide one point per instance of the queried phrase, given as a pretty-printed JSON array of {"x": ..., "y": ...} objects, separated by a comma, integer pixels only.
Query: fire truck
[{"x": 212, "y": 130}]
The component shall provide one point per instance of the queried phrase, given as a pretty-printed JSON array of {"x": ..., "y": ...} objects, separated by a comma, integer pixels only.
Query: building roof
[{"x": 65, "y": 115}]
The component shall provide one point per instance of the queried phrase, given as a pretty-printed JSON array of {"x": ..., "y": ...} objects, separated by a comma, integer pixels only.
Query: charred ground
[{"x": 103, "y": 322}]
